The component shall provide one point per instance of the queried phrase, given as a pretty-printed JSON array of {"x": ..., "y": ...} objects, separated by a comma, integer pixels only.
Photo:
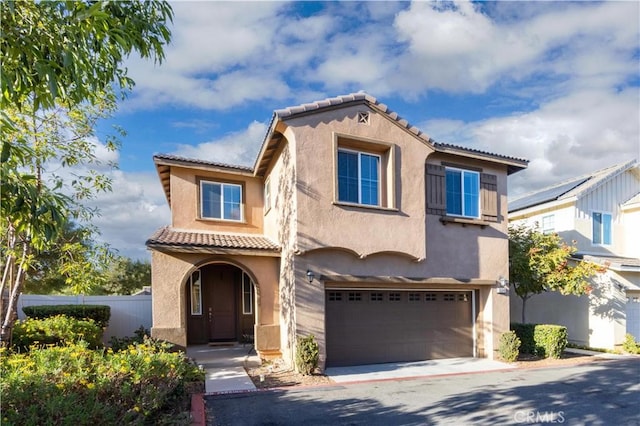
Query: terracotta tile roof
[
  {"x": 168, "y": 237},
  {"x": 614, "y": 262}
]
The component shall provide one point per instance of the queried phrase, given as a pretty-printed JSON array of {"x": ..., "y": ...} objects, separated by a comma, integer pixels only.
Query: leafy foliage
[
  {"x": 551, "y": 340},
  {"x": 509, "y": 348},
  {"x": 120, "y": 343},
  {"x": 54, "y": 50},
  {"x": 126, "y": 276},
  {"x": 545, "y": 340},
  {"x": 542, "y": 262},
  {"x": 61, "y": 67},
  {"x": 98, "y": 313},
  {"x": 56, "y": 330},
  {"x": 307, "y": 354},
  {"x": 75, "y": 385},
  {"x": 630, "y": 345}
]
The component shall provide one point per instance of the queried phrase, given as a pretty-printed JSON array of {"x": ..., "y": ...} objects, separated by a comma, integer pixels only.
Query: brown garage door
[{"x": 369, "y": 327}]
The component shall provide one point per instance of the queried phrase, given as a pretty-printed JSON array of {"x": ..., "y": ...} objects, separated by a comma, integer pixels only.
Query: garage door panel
[{"x": 365, "y": 327}]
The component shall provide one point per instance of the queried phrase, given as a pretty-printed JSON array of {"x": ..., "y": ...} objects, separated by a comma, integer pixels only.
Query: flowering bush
[
  {"x": 59, "y": 329},
  {"x": 73, "y": 384}
]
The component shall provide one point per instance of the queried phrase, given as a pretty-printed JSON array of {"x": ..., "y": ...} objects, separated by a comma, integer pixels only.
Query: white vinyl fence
[{"x": 128, "y": 313}]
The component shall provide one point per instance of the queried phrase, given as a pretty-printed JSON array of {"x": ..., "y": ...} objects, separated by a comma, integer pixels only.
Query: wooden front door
[{"x": 221, "y": 304}]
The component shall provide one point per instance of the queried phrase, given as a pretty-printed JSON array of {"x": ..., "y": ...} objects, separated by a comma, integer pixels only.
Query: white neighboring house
[{"x": 601, "y": 213}]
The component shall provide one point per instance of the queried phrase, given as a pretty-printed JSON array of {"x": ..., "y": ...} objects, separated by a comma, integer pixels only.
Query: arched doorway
[{"x": 220, "y": 305}]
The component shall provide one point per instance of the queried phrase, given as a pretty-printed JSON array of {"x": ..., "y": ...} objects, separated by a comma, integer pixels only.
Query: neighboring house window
[
  {"x": 601, "y": 228},
  {"x": 358, "y": 177},
  {"x": 459, "y": 192},
  {"x": 548, "y": 224},
  {"x": 196, "y": 293},
  {"x": 463, "y": 193},
  {"x": 267, "y": 195},
  {"x": 247, "y": 295},
  {"x": 220, "y": 200}
]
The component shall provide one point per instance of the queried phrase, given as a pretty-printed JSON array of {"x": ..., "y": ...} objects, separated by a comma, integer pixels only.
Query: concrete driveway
[{"x": 603, "y": 392}]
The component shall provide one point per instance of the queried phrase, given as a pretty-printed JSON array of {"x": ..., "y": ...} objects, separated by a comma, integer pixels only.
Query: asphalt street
[{"x": 603, "y": 392}]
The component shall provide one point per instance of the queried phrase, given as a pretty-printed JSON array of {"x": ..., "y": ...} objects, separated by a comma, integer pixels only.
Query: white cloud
[
  {"x": 238, "y": 148},
  {"x": 579, "y": 133},
  {"x": 131, "y": 212}
]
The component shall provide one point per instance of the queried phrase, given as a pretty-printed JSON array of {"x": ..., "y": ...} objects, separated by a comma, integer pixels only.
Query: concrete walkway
[
  {"x": 403, "y": 370},
  {"x": 225, "y": 367}
]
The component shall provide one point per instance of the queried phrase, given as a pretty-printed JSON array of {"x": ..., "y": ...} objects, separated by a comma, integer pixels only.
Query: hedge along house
[{"x": 353, "y": 226}]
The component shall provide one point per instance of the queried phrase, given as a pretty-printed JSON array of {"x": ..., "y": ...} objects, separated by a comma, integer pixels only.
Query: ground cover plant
[{"x": 144, "y": 383}]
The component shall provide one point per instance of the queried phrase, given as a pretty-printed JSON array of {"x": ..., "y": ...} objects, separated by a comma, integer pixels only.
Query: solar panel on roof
[{"x": 545, "y": 195}]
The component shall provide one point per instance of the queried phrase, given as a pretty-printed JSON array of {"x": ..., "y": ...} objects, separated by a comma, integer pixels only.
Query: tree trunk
[
  {"x": 524, "y": 305},
  {"x": 10, "y": 313}
]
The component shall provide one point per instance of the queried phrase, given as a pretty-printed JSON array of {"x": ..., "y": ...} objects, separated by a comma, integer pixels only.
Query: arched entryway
[{"x": 221, "y": 304}]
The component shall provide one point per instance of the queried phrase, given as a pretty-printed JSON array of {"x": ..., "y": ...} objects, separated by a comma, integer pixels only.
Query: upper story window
[
  {"x": 463, "y": 193},
  {"x": 267, "y": 195},
  {"x": 548, "y": 224},
  {"x": 358, "y": 177},
  {"x": 601, "y": 228},
  {"x": 220, "y": 201},
  {"x": 364, "y": 172}
]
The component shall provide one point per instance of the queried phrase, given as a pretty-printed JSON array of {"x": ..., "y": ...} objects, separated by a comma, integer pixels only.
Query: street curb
[{"x": 198, "y": 415}]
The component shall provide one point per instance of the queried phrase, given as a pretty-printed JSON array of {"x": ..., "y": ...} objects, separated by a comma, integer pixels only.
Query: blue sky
[{"x": 554, "y": 82}]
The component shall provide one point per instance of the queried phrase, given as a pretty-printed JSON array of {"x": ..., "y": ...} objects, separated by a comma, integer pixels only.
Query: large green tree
[
  {"x": 126, "y": 276},
  {"x": 62, "y": 69},
  {"x": 541, "y": 262}
]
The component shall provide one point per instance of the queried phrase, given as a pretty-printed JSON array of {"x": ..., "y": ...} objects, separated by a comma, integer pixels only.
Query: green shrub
[
  {"x": 56, "y": 330},
  {"x": 525, "y": 334},
  {"x": 544, "y": 340},
  {"x": 78, "y": 386},
  {"x": 630, "y": 345},
  {"x": 509, "y": 346},
  {"x": 551, "y": 340},
  {"x": 120, "y": 343},
  {"x": 307, "y": 354},
  {"x": 99, "y": 313}
]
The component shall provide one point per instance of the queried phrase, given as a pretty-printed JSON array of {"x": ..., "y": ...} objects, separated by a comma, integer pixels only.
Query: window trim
[
  {"x": 192, "y": 285},
  {"x": 602, "y": 229},
  {"x": 222, "y": 183},
  {"x": 462, "y": 188},
  {"x": 385, "y": 152}
]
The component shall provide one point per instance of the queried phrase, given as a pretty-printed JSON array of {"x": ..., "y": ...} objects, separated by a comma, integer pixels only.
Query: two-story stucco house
[
  {"x": 600, "y": 211},
  {"x": 353, "y": 226}
]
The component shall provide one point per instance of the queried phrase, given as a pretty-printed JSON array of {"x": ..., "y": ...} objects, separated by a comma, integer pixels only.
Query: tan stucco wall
[
  {"x": 185, "y": 201},
  {"x": 169, "y": 275},
  {"x": 369, "y": 230}
]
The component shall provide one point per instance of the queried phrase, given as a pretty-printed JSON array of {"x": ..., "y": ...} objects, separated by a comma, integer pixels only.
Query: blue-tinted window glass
[
  {"x": 606, "y": 229},
  {"x": 471, "y": 194},
  {"x": 454, "y": 192},
  {"x": 369, "y": 166},
  {"x": 211, "y": 200},
  {"x": 232, "y": 202},
  {"x": 348, "y": 176},
  {"x": 597, "y": 228}
]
